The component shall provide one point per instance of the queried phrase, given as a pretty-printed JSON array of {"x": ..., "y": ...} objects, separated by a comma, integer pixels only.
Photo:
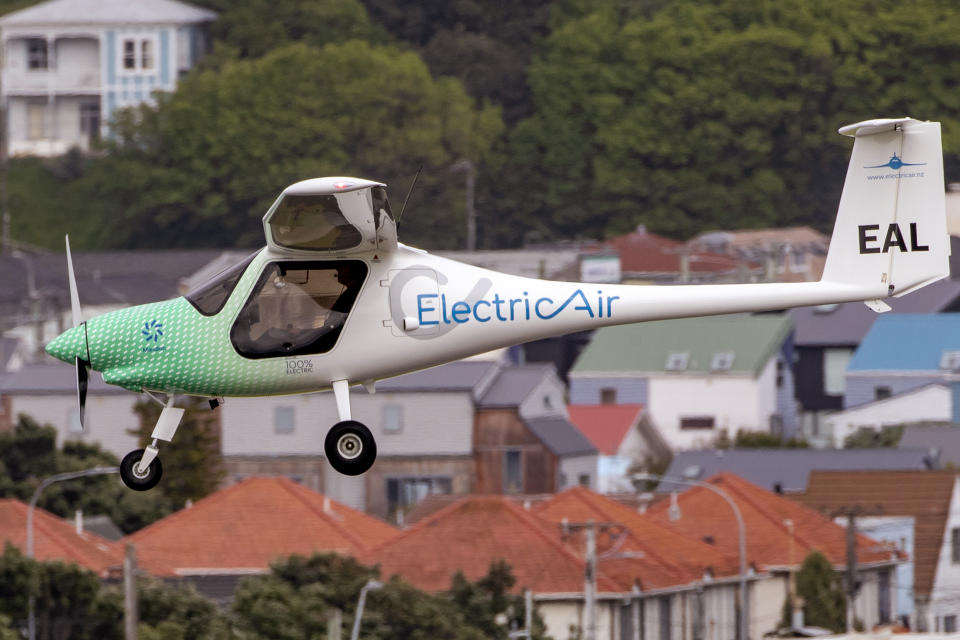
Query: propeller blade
[
  {"x": 83, "y": 377},
  {"x": 74, "y": 295}
]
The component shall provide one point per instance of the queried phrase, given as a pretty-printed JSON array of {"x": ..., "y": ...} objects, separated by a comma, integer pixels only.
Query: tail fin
[{"x": 891, "y": 230}]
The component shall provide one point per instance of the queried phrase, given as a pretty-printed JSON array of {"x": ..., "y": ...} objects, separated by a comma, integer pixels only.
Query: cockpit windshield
[
  {"x": 312, "y": 222},
  {"x": 209, "y": 297}
]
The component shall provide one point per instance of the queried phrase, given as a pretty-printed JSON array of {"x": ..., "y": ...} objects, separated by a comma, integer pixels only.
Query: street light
[
  {"x": 742, "y": 531},
  {"x": 370, "y": 586},
  {"x": 70, "y": 475}
]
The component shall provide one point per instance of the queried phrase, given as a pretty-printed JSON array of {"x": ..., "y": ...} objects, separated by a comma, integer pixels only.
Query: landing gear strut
[
  {"x": 141, "y": 470},
  {"x": 349, "y": 445}
]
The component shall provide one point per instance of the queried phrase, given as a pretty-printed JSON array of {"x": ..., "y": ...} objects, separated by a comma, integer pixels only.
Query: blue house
[
  {"x": 69, "y": 64},
  {"x": 904, "y": 352}
]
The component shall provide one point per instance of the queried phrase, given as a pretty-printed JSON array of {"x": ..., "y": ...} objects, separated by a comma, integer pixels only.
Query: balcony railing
[{"x": 20, "y": 81}]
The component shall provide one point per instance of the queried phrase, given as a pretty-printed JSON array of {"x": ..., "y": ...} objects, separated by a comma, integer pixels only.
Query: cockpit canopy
[{"x": 336, "y": 216}]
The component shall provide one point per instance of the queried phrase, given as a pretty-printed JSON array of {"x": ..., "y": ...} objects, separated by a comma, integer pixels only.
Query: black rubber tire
[
  {"x": 134, "y": 481},
  {"x": 350, "y": 448}
]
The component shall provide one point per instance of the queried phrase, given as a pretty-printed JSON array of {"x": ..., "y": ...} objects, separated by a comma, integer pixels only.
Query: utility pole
[
  {"x": 131, "y": 613},
  {"x": 470, "y": 170},
  {"x": 590, "y": 528}
]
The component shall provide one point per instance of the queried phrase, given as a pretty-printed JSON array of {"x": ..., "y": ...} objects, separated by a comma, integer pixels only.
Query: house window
[
  {"x": 90, "y": 120},
  {"x": 950, "y": 624},
  {"x": 73, "y": 421},
  {"x": 835, "y": 362},
  {"x": 697, "y": 422},
  {"x": 37, "y": 53},
  {"x": 883, "y": 595},
  {"x": 584, "y": 480},
  {"x": 562, "y": 481},
  {"x": 955, "y": 545},
  {"x": 665, "y": 626},
  {"x": 130, "y": 54},
  {"x": 392, "y": 416},
  {"x": 722, "y": 361},
  {"x": 283, "y": 419},
  {"x": 512, "y": 471},
  {"x": 608, "y": 395},
  {"x": 882, "y": 393},
  {"x": 36, "y": 120},
  {"x": 146, "y": 54},
  {"x": 677, "y": 361},
  {"x": 403, "y": 493},
  {"x": 781, "y": 370}
]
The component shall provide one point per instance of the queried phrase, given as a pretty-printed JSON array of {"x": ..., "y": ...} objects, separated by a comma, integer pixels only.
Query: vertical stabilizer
[{"x": 891, "y": 228}]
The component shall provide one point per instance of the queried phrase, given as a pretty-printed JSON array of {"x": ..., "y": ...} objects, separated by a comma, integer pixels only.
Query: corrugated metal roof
[
  {"x": 787, "y": 468},
  {"x": 561, "y": 437},
  {"x": 907, "y": 342},
  {"x": 514, "y": 385},
  {"x": 108, "y": 12},
  {"x": 455, "y": 376},
  {"x": 847, "y": 324},
  {"x": 945, "y": 439},
  {"x": 644, "y": 347},
  {"x": 54, "y": 379}
]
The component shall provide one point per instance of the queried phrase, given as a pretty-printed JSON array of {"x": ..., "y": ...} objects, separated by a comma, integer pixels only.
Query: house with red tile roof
[
  {"x": 780, "y": 533},
  {"x": 931, "y": 499},
  {"x": 648, "y": 257},
  {"x": 240, "y": 530},
  {"x": 646, "y": 571},
  {"x": 623, "y": 435},
  {"x": 55, "y": 539}
]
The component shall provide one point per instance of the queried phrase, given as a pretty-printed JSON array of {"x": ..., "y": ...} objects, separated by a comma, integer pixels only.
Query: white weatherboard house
[
  {"x": 698, "y": 377},
  {"x": 69, "y": 64}
]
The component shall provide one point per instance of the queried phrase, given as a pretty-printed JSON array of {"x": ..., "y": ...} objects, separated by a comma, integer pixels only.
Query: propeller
[{"x": 83, "y": 366}]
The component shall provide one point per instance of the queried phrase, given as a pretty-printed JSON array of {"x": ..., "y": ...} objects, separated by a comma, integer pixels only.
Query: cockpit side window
[
  {"x": 209, "y": 297},
  {"x": 312, "y": 222},
  {"x": 297, "y": 308}
]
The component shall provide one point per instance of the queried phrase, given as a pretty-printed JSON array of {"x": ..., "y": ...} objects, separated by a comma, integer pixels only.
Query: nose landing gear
[{"x": 140, "y": 469}]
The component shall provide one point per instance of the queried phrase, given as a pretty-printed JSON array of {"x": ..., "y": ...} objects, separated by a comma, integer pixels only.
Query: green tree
[
  {"x": 720, "y": 114},
  {"x": 202, "y": 166},
  {"x": 28, "y": 454},
  {"x": 192, "y": 463},
  {"x": 866, "y": 438},
  {"x": 253, "y": 28},
  {"x": 824, "y": 603},
  {"x": 296, "y": 598},
  {"x": 766, "y": 440}
]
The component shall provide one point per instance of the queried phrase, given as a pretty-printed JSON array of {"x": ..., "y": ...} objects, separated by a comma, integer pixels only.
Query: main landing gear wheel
[
  {"x": 350, "y": 448},
  {"x": 134, "y": 478}
]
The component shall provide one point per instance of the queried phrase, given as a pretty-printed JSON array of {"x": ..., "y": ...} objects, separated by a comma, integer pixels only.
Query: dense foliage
[
  {"x": 28, "y": 454},
  {"x": 820, "y": 590},
  {"x": 583, "y": 118}
]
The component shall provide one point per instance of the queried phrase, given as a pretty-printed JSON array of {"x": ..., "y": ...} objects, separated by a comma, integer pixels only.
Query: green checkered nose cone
[{"x": 69, "y": 345}]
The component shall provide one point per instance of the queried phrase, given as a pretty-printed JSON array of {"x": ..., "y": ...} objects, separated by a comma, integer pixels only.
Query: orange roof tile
[
  {"x": 925, "y": 495},
  {"x": 55, "y": 539},
  {"x": 703, "y": 513},
  {"x": 250, "y": 524},
  {"x": 672, "y": 557},
  {"x": 604, "y": 425},
  {"x": 475, "y": 531}
]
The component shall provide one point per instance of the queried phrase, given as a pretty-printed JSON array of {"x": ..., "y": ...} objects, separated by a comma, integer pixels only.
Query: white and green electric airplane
[{"x": 333, "y": 300}]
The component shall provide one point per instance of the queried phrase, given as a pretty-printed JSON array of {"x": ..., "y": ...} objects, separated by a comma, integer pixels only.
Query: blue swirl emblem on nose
[
  {"x": 152, "y": 330},
  {"x": 895, "y": 162}
]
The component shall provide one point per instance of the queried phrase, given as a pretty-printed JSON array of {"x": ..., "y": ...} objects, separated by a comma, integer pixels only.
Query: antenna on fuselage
[{"x": 403, "y": 207}]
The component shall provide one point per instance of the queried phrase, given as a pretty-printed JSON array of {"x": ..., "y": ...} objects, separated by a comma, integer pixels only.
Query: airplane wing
[{"x": 332, "y": 216}]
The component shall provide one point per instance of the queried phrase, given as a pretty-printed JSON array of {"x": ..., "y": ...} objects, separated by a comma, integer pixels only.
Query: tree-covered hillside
[{"x": 582, "y": 118}]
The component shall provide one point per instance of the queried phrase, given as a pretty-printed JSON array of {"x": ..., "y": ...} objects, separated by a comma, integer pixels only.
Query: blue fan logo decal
[
  {"x": 152, "y": 330},
  {"x": 895, "y": 162}
]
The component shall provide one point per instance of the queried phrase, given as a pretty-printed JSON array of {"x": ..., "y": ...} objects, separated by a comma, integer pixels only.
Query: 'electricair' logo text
[{"x": 434, "y": 309}]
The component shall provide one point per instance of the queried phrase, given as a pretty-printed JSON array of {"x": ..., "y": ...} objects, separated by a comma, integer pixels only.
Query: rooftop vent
[
  {"x": 950, "y": 360},
  {"x": 677, "y": 361},
  {"x": 722, "y": 361}
]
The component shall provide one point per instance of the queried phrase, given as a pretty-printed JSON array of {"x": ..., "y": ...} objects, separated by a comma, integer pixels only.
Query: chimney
[{"x": 78, "y": 521}]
